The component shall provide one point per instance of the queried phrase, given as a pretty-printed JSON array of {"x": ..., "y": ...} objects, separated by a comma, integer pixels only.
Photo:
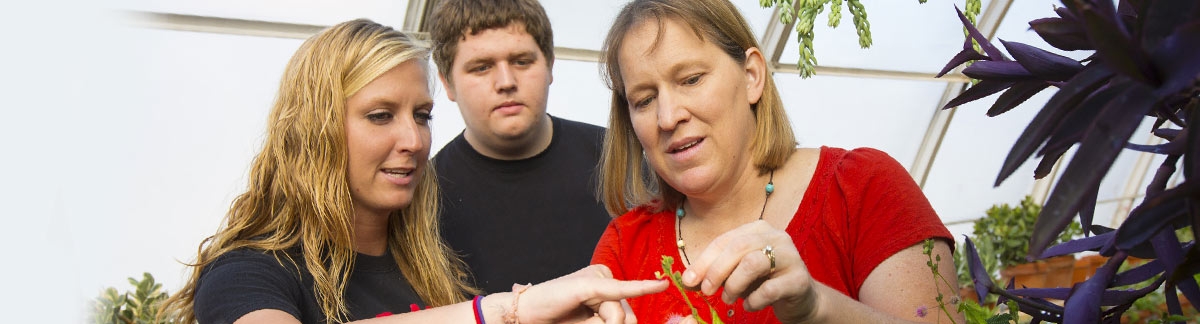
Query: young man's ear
[
  {"x": 756, "y": 74},
  {"x": 446, "y": 84}
]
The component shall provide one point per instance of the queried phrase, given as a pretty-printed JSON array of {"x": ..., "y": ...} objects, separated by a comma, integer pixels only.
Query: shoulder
[
  {"x": 452, "y": 148},
  {"x": 577, "y": 130},
  {"x": 640, "y": 216},
  {"x": 245, "y": 280},
  {"x": 863, "y": 161},
  {"x": 239, "y": 266},
  {"x": 250, "y": 259}
]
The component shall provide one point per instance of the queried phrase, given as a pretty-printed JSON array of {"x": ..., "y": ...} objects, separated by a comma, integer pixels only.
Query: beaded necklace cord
[{"x": 679, "y": 213}]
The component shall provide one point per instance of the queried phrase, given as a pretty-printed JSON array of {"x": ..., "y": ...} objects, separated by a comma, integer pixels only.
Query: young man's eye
[
  {"x": 478, "y": 68},
  {"x": 692, "y": 79}
]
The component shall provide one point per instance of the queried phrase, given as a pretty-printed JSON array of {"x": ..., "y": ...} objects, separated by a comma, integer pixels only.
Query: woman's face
[
  {"x": 690, "y": 106},
  {"x": 387, "y": 136}
]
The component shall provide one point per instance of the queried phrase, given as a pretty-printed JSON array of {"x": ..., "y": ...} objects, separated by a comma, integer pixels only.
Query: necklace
[{"x": 679, "y": 213}]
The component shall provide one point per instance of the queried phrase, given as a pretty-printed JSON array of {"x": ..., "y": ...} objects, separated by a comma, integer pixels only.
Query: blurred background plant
[
  {"x": 139, "y": 306},
  {"x": 1006, "y": 230}
]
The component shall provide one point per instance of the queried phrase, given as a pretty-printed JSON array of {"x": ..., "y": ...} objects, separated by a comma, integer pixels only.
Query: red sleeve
[
  {"x": 883, "y": 201},
  {"x": 608, "y": 251}
]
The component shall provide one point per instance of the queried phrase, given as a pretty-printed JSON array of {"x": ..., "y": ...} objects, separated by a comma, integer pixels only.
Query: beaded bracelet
[
  {"x": 479, "y": 310},
  {"x": 512, "y": 318}
]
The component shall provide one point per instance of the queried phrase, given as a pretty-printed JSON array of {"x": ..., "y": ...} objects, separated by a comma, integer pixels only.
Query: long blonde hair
[
  {"x": 298, "y": 194},
  {"x": 624, "y": 179}
]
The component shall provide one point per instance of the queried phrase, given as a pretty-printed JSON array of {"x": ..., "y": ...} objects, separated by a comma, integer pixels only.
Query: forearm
[
  {"x": 494, "y": 307},
  {"x": 835, "y": 307}
]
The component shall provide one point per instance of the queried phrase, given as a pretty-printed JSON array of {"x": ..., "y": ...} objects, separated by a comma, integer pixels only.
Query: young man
[{"x": 518, "y": 185}]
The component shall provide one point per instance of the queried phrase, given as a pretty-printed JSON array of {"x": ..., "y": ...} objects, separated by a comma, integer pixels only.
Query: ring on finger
[{"x": 770, "y": 253}]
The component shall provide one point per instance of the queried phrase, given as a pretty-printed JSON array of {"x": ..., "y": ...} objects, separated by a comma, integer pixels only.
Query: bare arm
[{"x": 590, "y": 294}]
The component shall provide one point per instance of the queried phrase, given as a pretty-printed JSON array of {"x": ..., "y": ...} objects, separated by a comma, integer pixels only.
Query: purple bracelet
[{"x": 479, "y": 310}]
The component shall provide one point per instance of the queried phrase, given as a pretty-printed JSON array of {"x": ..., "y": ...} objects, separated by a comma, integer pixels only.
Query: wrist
[{"x": 494, "y": 307}]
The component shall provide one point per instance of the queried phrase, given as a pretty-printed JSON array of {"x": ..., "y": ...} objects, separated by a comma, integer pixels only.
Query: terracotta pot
[
  {"x": 968, "y": 293},
  {"x": 1086, "y": 266},
  {"x": 1050, "y": 273}
]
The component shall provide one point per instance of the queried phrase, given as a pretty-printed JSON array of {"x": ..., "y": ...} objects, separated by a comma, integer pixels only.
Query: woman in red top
[{"x": 813, "y": 234}]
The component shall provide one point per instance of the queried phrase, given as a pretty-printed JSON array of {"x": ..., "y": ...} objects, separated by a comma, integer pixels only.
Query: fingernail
[
  {"x": 689, "y": 277},
  {"x": 707, "y": 286}
]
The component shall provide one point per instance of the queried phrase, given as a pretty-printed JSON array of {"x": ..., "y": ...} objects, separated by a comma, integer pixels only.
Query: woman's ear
[{"x": 756, "y": 74}]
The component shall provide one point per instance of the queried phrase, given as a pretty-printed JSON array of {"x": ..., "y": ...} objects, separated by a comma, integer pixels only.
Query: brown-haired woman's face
[
  {"x": 689, "y": 105},
  {"x": 388, "y": 139}
]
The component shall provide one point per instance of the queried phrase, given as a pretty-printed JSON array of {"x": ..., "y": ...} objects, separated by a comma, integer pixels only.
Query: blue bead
[
  {"x": 770, "y": 188},
  {"x": 679, "y": 212}
]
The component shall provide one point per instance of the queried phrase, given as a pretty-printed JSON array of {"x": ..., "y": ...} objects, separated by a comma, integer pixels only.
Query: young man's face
[{"x": 500, "y": 79}]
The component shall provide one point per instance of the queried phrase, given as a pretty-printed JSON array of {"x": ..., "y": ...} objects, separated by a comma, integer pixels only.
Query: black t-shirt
[
  {"x": 245, "y": 280},
  {"x": 524, "y": 221}
]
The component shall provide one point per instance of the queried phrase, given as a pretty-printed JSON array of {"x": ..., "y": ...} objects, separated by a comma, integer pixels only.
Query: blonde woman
[{"x": 339, "y": 222}]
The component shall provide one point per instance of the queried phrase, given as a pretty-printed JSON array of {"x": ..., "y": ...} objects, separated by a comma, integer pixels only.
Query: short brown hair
[
  {"x": 453, "y": 20},
  {"x": 623, "y": 177}
]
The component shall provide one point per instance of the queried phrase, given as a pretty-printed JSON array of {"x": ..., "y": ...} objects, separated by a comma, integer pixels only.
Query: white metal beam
[
  {"x": 219, "y": 25},
  {"x": 415, "y": 16},
  {"x": 774, "y": 40}
]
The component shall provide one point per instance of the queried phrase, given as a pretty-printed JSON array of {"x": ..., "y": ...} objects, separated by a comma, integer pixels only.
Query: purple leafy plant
[{"x": 1145, "y": 64}]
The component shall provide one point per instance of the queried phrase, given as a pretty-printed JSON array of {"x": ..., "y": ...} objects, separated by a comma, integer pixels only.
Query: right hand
[{"x": 590, "y": 294}]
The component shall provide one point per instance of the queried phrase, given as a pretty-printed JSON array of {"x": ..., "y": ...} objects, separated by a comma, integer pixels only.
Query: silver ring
[{"x": 770, "y": 253}]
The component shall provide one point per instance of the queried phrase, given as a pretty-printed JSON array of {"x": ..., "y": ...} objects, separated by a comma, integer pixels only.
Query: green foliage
[
  {"x": 139, "y": 306},
  {"x": 678, "y": 282},
  {"x": 972, "y": 311},
  {"x": 1007, "y": 230},
  {"x": 805, "y": 15}
]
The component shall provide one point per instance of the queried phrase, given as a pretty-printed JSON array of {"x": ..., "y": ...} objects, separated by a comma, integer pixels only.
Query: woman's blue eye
[
  {"x": 643, "y": 103},
  {"x": 422, "y": 117},
  {"x": 379, "y": 117}
]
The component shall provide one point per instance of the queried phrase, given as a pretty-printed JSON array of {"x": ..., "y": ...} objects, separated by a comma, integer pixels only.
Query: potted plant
[
  {"x": 1145, "y": 67},
  {"x": 141, "y": 305},
  {"x": 1007, "y": 230}
]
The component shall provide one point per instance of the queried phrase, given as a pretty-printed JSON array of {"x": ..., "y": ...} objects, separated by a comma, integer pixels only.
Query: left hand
[
  {"x": 737, "y": 262},
  {"x": 589, "y": 295}
]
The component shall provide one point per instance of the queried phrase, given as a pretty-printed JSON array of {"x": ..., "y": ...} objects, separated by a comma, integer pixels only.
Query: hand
[
  {"x": 589, "y": 295},
  {"x": 737, "y": 262}
]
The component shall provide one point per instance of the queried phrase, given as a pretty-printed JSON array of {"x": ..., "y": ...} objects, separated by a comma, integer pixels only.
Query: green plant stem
[
  {"x": 933, "y": 267},
  {"x": 677, "y": 280}
]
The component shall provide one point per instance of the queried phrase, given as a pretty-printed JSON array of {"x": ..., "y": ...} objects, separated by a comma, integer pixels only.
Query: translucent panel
[
  {"x": 974, "y": 148},
  {"x": 169, "y": 158},
  {"x": 64, "y": 75},
  {"x": 584, "y": 24},
  {"x": 1123, "y": 169},
  {"x": 581, "y": 24},
  {"x": 1015, "y": 27},
  {"x": 890, "y": 115},
  {"x": 577, "y": 94},
  {"x": 757, "y": 16},
  {"x": 313, "y": 12},
  {"x": 907, "y": 36}
]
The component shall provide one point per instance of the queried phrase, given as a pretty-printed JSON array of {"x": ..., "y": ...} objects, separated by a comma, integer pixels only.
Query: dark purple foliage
[{"x": 1146, "y": 65}]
